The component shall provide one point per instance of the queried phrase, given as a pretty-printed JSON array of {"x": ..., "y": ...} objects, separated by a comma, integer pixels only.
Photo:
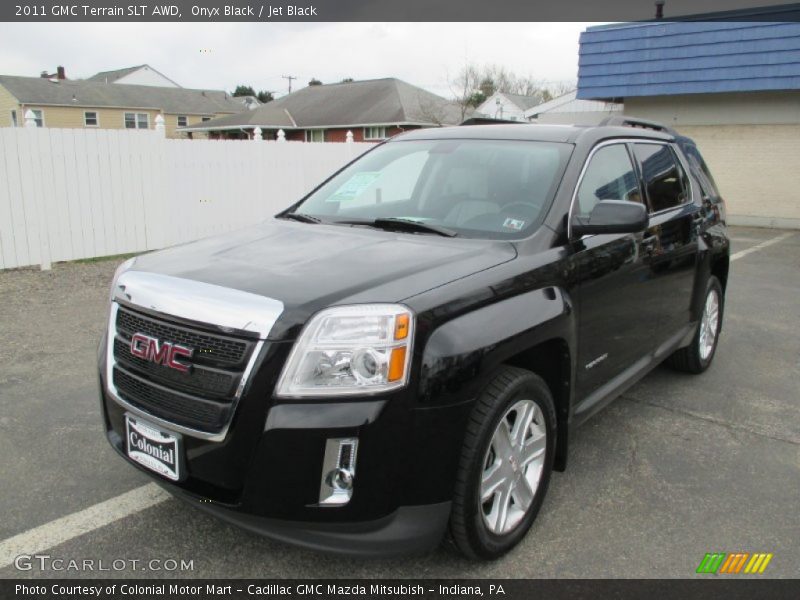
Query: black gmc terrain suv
[{"x": 407, "y": 349}]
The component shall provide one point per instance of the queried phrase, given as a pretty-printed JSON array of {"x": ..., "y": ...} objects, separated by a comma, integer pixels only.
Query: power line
[{"x": 290, "y": 78}]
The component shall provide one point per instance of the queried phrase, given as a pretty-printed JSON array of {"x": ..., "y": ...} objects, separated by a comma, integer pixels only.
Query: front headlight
[{"x": 347, "y": 350}]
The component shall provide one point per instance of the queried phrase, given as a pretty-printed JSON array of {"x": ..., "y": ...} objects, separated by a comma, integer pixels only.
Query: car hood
[{"x": 311, "y": 266}]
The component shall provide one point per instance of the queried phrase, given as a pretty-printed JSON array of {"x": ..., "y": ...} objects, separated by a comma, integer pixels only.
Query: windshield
[{"x": 475, "y": 188}]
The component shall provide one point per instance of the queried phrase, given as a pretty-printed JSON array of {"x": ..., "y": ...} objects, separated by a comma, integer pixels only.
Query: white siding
[
  {"x": 497, "y": 106},
  {"x": 145, "y": 76}
]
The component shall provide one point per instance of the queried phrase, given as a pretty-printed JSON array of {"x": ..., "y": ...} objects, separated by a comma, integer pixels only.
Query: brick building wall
[{"x": 751, "y": 142}]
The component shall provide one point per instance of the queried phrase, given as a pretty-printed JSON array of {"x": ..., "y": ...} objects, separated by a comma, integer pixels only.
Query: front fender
[{"x": 460, "y": 355}]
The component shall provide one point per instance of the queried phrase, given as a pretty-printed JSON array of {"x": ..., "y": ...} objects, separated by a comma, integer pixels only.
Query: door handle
[{"x": 649, "y": 243}]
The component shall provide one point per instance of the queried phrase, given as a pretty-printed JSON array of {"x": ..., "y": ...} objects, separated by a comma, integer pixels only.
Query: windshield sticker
[
  {"x": 515, "y": 224},
  {"x": 354, "y": 186}
]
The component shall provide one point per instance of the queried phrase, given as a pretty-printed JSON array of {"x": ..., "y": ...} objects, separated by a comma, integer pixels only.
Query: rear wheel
[
  {"x": 697, "y": 356},
  {"x": 505, "y": 464}
]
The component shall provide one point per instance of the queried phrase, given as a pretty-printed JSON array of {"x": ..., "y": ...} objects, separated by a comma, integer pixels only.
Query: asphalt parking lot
[{"x": 677, "y": 467}]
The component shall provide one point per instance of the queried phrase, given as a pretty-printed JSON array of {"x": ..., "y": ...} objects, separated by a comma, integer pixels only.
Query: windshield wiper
[
  {"x": 396, "y": 223},
  {"x": 302, "y": 217}
]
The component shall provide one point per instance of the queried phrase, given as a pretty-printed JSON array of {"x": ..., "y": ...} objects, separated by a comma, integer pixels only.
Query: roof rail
[
  {"x": 490, "y": 121},
  {"x": 617, "y": 121}
]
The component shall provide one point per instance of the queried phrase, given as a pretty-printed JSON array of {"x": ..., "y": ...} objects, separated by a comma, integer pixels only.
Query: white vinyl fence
[{"x": 67, "y": 194}]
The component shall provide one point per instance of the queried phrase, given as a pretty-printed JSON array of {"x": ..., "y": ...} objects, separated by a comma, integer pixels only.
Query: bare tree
[
  {"x": 433, "y": 112},
  {"x": 474, "y": 84},
  {"x": 464, "y": 87}
]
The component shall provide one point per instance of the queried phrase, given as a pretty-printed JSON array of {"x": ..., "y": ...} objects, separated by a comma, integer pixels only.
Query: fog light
[
  {"x": 338, "y": 471},
  {"x": 340, "y": 479}
]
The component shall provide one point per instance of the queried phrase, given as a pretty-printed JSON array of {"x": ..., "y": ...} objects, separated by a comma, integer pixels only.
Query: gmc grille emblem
[{"x": 162, "y": 353}]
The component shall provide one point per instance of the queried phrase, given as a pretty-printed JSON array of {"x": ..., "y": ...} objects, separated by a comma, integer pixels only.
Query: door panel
[
  {"x": 616, "y": 318},
  {"x": 672, "y": 249},
  {"x": 615, "y": 290}
]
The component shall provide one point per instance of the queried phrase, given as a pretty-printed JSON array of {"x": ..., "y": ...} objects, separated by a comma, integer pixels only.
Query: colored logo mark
[{"x": 734, "y": 563}]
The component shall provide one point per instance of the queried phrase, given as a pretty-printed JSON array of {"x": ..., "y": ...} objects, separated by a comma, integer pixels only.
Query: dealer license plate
[{"x": 157, "y": 450}]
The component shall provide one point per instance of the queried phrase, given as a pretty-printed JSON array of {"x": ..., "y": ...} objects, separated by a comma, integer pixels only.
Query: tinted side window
[
  {"x": 609, "y": 176},
  {"x": 700, "y": 169},
  {"x": 664, "y": 178}
]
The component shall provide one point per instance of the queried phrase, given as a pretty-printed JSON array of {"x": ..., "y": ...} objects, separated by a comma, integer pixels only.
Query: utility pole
[{"x": 290, "y": 78}]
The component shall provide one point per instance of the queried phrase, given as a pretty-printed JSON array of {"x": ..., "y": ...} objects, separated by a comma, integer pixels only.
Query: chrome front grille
[
  {"x": 183, "y": 409},
  {"x": 225, "y": 328},
  {"x": 202, "y": 398},
  {"x": 209, "y": 349}
]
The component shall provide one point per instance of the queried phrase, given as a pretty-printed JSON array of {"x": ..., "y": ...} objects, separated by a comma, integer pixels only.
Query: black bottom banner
[{"x": 422, "y": 589}]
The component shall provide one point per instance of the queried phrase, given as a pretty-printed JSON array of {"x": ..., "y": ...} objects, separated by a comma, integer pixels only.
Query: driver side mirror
[{"x": 611, "y": 216}]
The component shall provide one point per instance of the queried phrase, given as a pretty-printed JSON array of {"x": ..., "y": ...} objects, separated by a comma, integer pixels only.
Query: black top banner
[{"x": 392, "y": 10}]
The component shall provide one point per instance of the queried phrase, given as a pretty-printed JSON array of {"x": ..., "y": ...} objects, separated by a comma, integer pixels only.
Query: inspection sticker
[
  {"x": 515, "y": 224},
  {"x": 354, "y": 186}
]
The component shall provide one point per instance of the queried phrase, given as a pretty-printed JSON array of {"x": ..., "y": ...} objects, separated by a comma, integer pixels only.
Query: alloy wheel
[
  {"x": 709, "y": 324},
  {"x": 512, "y": 467}
]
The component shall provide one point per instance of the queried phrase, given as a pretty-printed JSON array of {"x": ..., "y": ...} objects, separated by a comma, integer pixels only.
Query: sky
[{"x": 223, "y": 55}]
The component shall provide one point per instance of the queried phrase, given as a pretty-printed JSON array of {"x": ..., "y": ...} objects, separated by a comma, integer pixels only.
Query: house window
[
  {"x": 13, "y": 118},
  {"x": 374, "y": 133},
  {"x": 90, "y": 119},
  {"x": 38, "y": 115},
  {"x": 137, "y": 121},
  {"x": 206, "y": 119},
  {"x": 182, "y": 121},
  {"x": 315, "y": 135}
]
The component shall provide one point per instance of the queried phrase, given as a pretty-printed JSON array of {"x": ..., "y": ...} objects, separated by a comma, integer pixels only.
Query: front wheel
[
  {"x": 505, "y": 465},
  {"x": 697, "y": 356}
]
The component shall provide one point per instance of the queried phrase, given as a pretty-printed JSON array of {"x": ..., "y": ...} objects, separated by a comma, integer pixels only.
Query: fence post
[
  {"x": 30, "y": 118},
  {"x": 281, "y": 135},
  {"x": 257, "y": 134},
  {"x": 160, "y": 126},
  {"x": 349, "y": 137}
]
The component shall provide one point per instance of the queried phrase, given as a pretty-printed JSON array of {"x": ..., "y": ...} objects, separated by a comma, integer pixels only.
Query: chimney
[
  {"x": 61, "y": 73},
  {"x": 660, "y": 9}
]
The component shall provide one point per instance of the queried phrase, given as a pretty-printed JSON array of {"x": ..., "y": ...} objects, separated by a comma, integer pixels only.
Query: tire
[
  {"x": 478, "y": 528},
  {"x": 697, "y": 356}
]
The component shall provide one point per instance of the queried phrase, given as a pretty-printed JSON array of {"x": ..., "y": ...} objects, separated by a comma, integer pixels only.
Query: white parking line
[
  {"x": 66, "y": 528},
  {"x": 763, "y": 244}
]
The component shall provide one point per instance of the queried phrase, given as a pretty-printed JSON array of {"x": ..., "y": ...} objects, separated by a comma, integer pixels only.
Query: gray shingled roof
[
  {"x": 523, "y": 102},
  {"x": 113, "y": 76},
  {"x": 358, "y": 103},
  {"x": 67, "y": 92}
]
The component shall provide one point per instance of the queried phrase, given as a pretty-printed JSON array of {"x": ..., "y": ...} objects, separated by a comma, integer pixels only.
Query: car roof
[{"x": 534, "y": 132}]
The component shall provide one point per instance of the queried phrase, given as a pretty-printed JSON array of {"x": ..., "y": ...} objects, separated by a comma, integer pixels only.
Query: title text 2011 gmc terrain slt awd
[{"x": 407, "y": 349}]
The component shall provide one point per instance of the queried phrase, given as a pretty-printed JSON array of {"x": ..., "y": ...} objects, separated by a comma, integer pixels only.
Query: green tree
[
  {"x": 487, "y": 87},
  {"x": 314, "y": 81},
  {"x": 264, "y": 97},
  {"x": 244, "y": 90},
  {"x": 476, "y": 99}
]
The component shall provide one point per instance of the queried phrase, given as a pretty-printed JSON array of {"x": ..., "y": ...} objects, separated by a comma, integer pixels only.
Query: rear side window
[
  {"x": 608, "y": 176},
  {"x": 665, "y": 181},
  {"x": 700, "y": 169}
]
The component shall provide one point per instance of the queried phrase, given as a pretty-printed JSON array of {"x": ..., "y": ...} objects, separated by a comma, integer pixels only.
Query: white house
[
  {"x": 138, "y": 75},
  {"x": 510, "y": 107},
  {"x": 568, "y": 109}
]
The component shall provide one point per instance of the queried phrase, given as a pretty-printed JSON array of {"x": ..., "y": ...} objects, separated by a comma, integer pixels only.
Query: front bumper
[
  {"x": 408, "y": 530},
  {"x": 265, "y": 476}
]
